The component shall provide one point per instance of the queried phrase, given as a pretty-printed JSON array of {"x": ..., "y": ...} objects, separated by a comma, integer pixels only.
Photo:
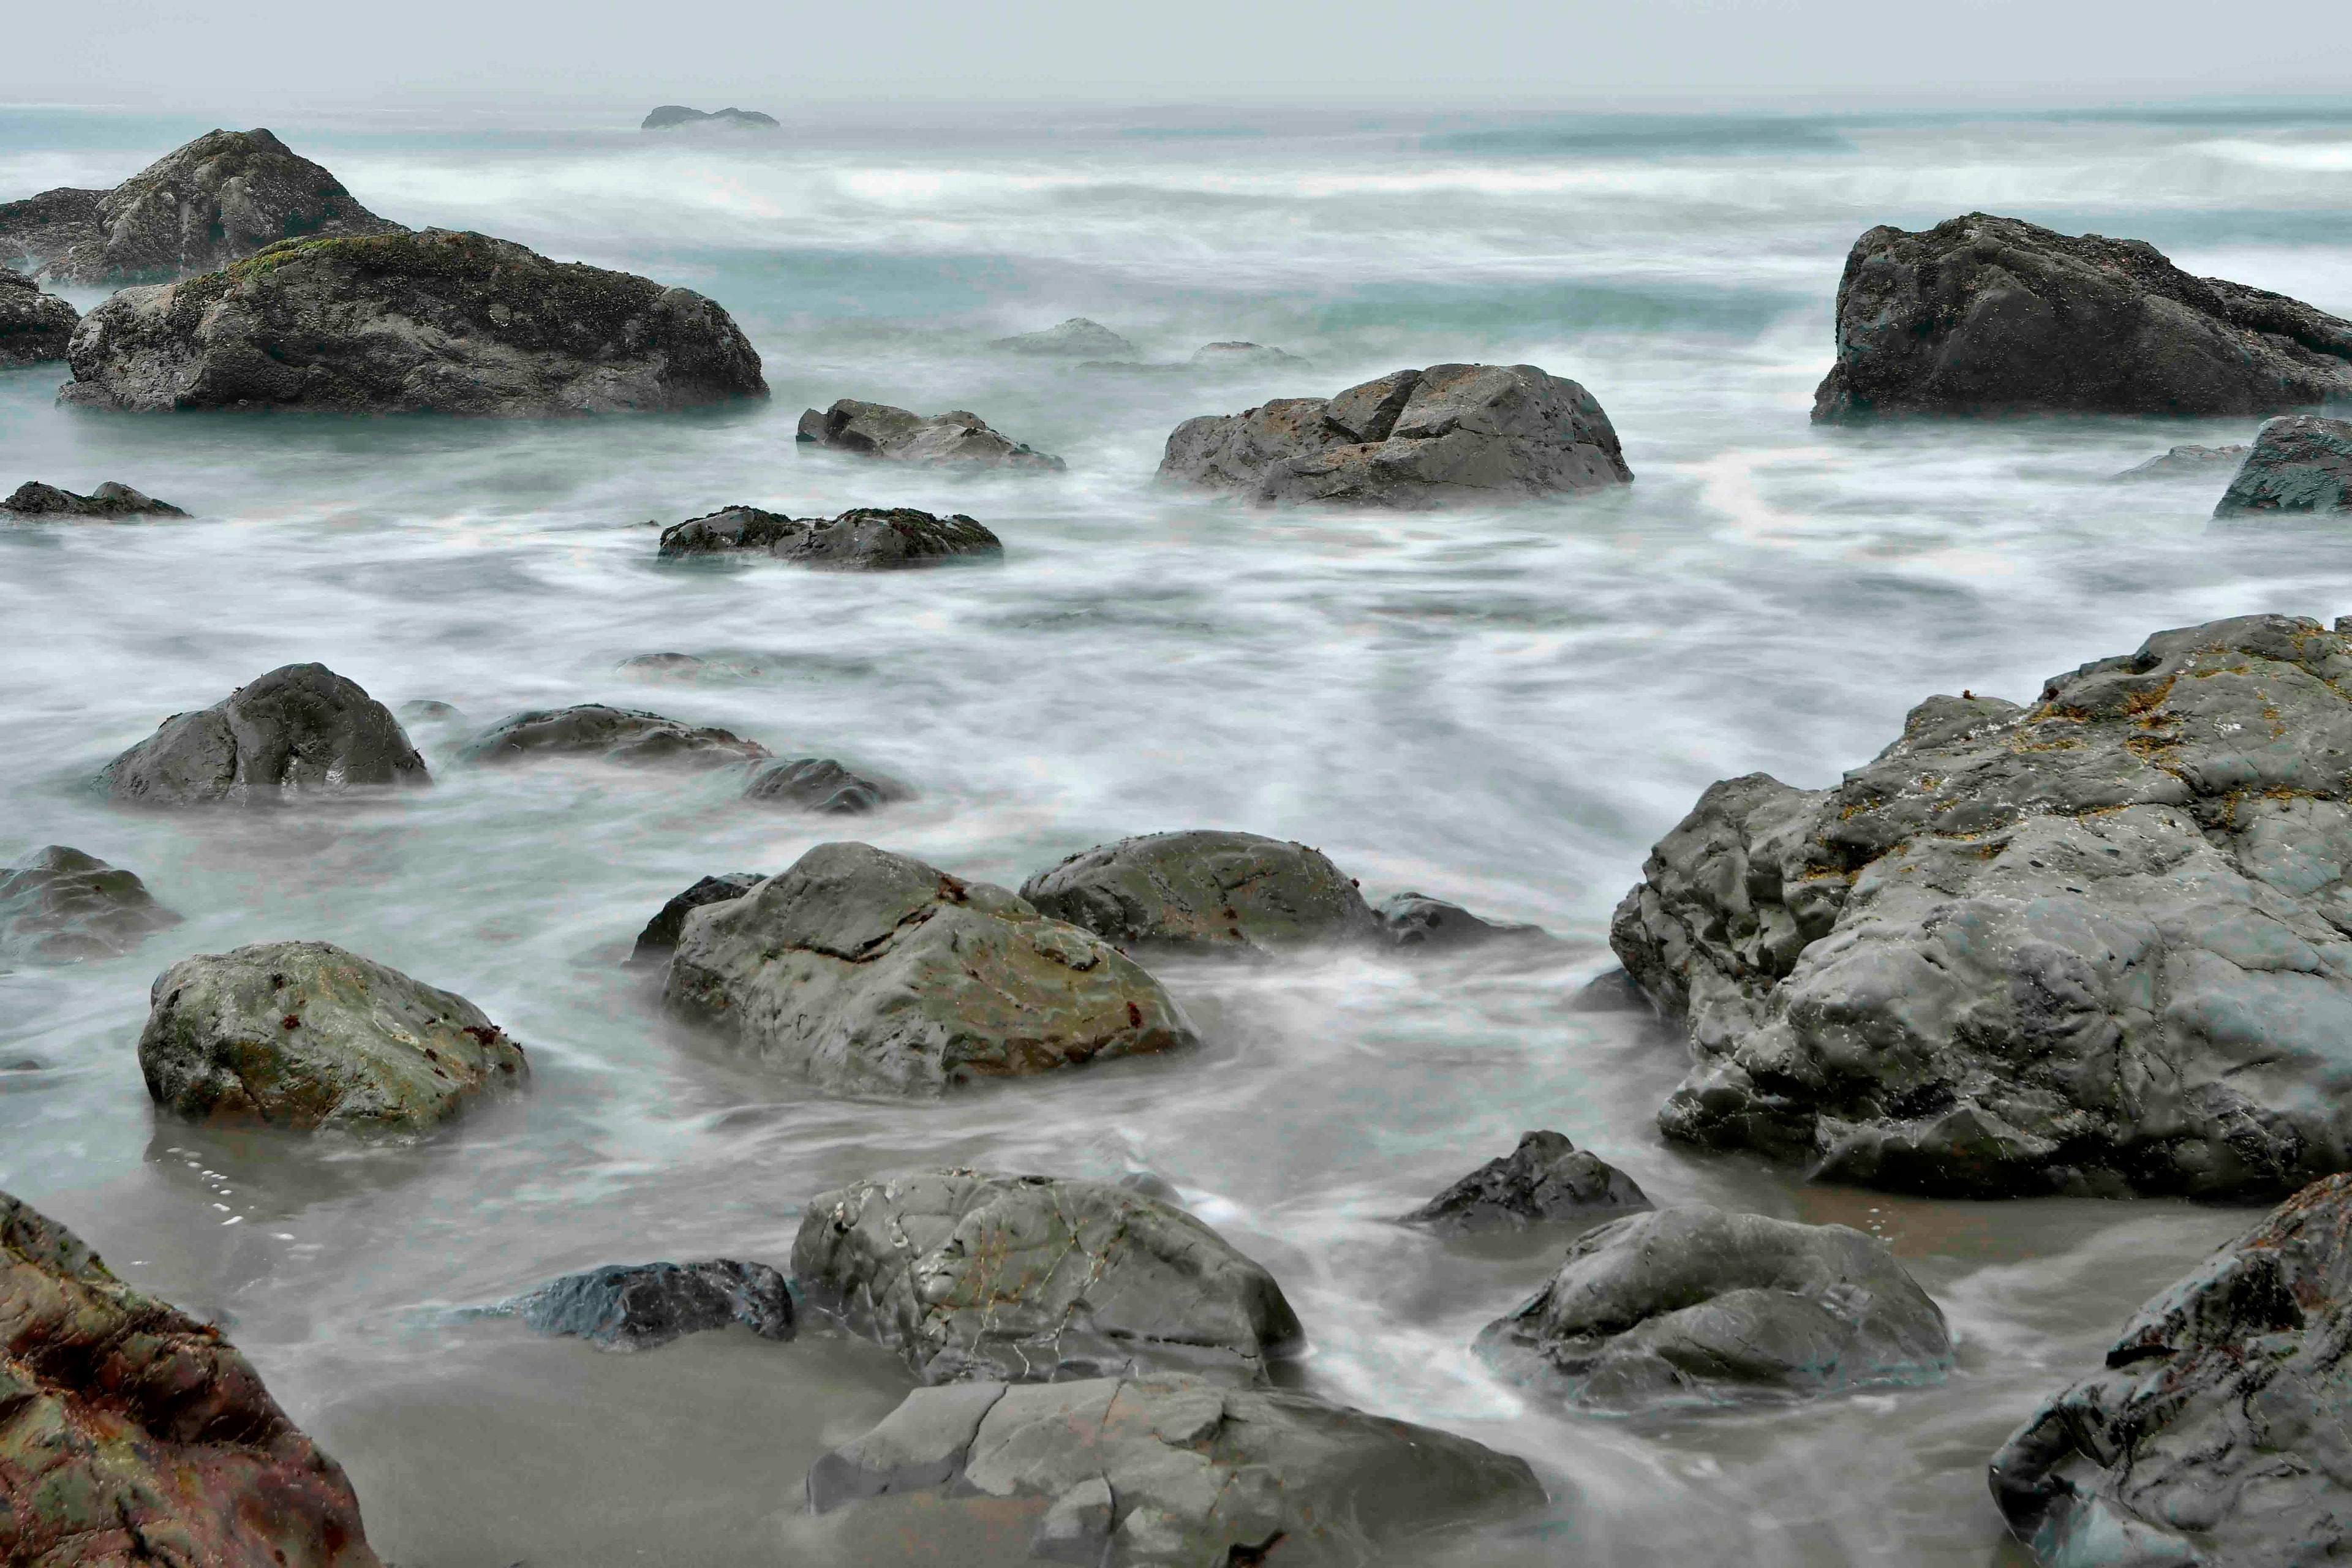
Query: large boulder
[
  {"x": 2097, "y": 944},
  {"x": 1206, "y": 891},
  {"x": 1698, "y": 1307},
  {"x": 2300, "y": 463},
  {"x": 1993, "y": 315},
  {"x": 863, "y": 539},
  {"x": 131, "y": 1434},
  {"x": 673, "y": 116},
  {"x": 63, "y": 905},
  {"x": 437, "y": 321},
  {"x": 1076, "y": 337},
  {"x": 35, "y": 500},
  {"x": 975, "y": 1275},
  {"x": 659, "y": 939},
  {"x": 300, "y": 731},
  {"x": 33, "y": 325},
  {"x": 303, "y": 1035},
  {"x": 220, "y": 198},
  {"x": 1167, "y": 1471},
  {"x": 1547, "y": 1180},
  {"x": 644, "y": 1306},
  {"x": 898, "y": 436},
  {"x": 627, "y": 736}
]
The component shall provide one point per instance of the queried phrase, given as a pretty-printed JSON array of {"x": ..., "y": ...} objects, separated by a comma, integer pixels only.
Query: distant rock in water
[
  {"x": 879, "y": 430},
  {"x": 1206, "y": 890},
  {"x": 863, "y": 539},
  {"x": 34, "y": 326},
  {"x": 1220, "y": 356},
  {"x": 438, "y": 321},
  {"x": 659, "y": 939},
  {"x": 821, "y": 786},
  {"x": 1547, "y": 1180},
  {"x": 1417, "y": 921},
  {"x": 628, "y": 736},
  {"x": 300, "y": 731},
  {"x": 2300, "y": 463},
  {"x": 672, "y": 116},
  {"x": 1989, "y": 315},
  {"x": 644, "y": 1306},
  {"x": 221, "y": 198},
  {"x": 35, "y": 499},
  {"x": 2184, "y": 462},
  {"x": 63, "y": 905},
  {"x": 1076, "y": 337}
]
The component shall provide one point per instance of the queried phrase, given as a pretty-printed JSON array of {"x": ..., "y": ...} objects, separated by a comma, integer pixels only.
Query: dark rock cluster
[
  {"x": 863, "y": 539},
  {"x": 957, "y": 438}
]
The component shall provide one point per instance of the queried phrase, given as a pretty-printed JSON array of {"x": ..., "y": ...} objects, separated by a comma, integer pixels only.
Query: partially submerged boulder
[
  {"x": 976, "y": 1275},
  {"x": 659, "y": 939},
  {"x": 644, "y": 1306},
  {"x": 1076, "y": 337},
  {"x": 2186, "y": 462},
  {"x": 302, "y": 1035},
  {"x": 34, "y": 326},
  {"x": 63, "y": 905},
  {"x": 872, "y": 972},
  {"x": 1242, "y": 356},
  {"x": 898, "y": 436},
  {"x": 300, "y": 730},
  {"x": 1988, "y": 315},
  {"x": 1698, "y": 1307},
  {"x": 821, "y": 786},
  {"x": 1206, "y": 891},
  {"x": 627, "y": 736},
  {"x": 863, "y": 539},
  {"x": 675, "y": 116},
  {"x": 2300, "y": 463},
  {"x": 1547, "y": 1180},
  {"x": 135, "y": 1434},
  {"x": 1417, "y": 921},
  {"x": 35, "y": 499}
]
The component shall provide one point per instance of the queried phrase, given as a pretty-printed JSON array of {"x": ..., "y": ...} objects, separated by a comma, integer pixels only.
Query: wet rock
[
  {"x": 1417, "y": 921},
  {"x": 2215, "y": 1433},
  {"x": 659, "y": 939},
  {"x": 1076, "y": 337},
  {"x": 438, "y": 321},
  {"x": 863, "y": 539},
  {"x": 2095, "y": 945},
  {"x": 35, "y": 499},
  {"x": 1547, "y": 1180},
  {"x": 673, "y": 116},
  {"x": 1695, "y": 1307},
  {"x": 33, "y": 325},
  {"x": 2300, "y": 463},
  {"x": 663, "y": 667},
  {"x": 222, "y": 197},
  {"x": 1615, "y": 992},
  {"x": 300, "y": 731},
  {"x": 303, "y": 1035},
  {"x": 898, "y": 436},
  {"x": 1239, "y": 355},
  {"x": 422, "y": 711},
  {"x": 644, "y": 1306},
  {"x": 1991, "y": 315},
  {"x": 1452, "y": 435},
  {"x": 627, "y": 736},
  {"x": 135, "y": 1433},
  {"x": 1206, "y": 891},
  {"x": 2184, "y": 462},
  {"x": 870, "y": 971},
  {"x": 63, "y": 905},
  {"x": 822, "y": 785},
  {"x": 1166, "y": 1472}
]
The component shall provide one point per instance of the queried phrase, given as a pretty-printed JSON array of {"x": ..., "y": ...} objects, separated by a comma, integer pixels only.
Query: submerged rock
[
  {"x": 1992, "y": 315},
  {"x": 35, "y": 499},
  {"x": 822, "y": 785},
  {"x": 872, "y": 972},
  {"x": 1219, "y": 356},
  {"x": 627, "y": 736},
  {"x": 863, "y": 539},
  {"x": 63, "y": 905},
  {"x": 2300, "y": 463},
  {"x": 300, "y": 731},
  {"x": 2182, "y": 462},
  {"x": 437, "y": 321},
  {"x": 136, "y": 1434},
  {"x": 672, "y": 116},
  {"x": 34, "y": 326},
  {"x": 1547, "y": 1180},
  {"x": 1613, "y": 992},
  {"x": 1076, "y": 337},
  {"x": 303, "y": 1035},
  {"x": 659, "y": 939},
  {"x": 1208, "y": 891},
  {"x": 1417, "y": 921},
  {"x": 644, "y": 1306},
  {"x": 879, "y": 430},
  {"x": 1694, "y": 1306},
  {"x": 976, "y": 1275}
]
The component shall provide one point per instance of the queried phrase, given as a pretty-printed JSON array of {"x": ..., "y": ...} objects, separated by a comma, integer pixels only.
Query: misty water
[{"x": 1502, "y": 708}]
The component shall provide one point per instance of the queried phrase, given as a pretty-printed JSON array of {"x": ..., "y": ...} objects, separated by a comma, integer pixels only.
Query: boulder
[
  {"x": 672, "y": 116},
  {"x": 35, "y": 499},
  {"x": 1076, "y": 337},
  {"x": 1166, "y": 1472},
  {"x": 1242, "y": 356},
  {"x": 894, "y": 435},
  {"x": 659, "y": 939},
  {"x": 427, "y": 710},
  {"x": 1206, "y": 891},
  {"x": 303, "y": 1035},
  {"x": 644, "y": 1306},
  {"x": 2215, "y": 1432},
  {"x": 438, "y": 321},
  {"x": 822, "y": 785},
  {"x": 135, "y": 1434},
  {"x": 1452, "y": 435},
  {"x": 1417, "y": 921},
  {"x": 300, "y": 731},
  {"x": 1613, "y": 992},
  {"x": 2185, "y": 462},
  {"x": 63, "y": 905},
  {"x": 33, "y": 325},
  {"x": 975, "y": 1275},
  {"x": 220, "y": 198},
  {"x": 863, "y": 539},
  {"x": 871, "y": 972},
  {"x": 2097, "y": 944},
  {"x": 1987, "y": 315},
  {"x": 2300, "y": 463},
  {"x": 1547, "y": 1180},
  {"x": 627, "y": 736},
  {"x": 1698, "y": 1307}
]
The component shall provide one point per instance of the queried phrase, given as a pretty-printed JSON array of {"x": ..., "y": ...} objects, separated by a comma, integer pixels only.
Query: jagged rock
[
  {"x": 2215, "y": 1433},
  {"x": 863, "y": 539},
  {"x": 627, "y": 736},
  {"x": 1991, "y": 315},
  {"x": 2182, "y": 462},
  {"x": 222, "y": 197},
  {"x": 898, "y": 436},
  {"x": 33, "y": 325},
  {"x": 2095, "y": 945},
  {"x": 659, "y": 939},
  {"x": 1547, "y": 1180},
  {"x": 822, "y": 785},
  {"x": 300, "y": 731},
  {"x": 2300, "y": 463},
  {"x": 644, "y": 1306},
  {"x": 35, "y": 499},
  {"x": 134, "y": 1434},
  {"x": 1206, "y": 891},
  {"x": 1166, "y": 1472},
  {"x": 1076, "y": 337},
  {"x": 1417, "y": 921},
  {"x": 63, "y": 905},
  {"x": 671, "y": 116},
  {"x": 1219, "y": 356},
  {"x": 439, "y": 322},
  {"x": 304, "y": 1034},
  {"x": 1694, "y": 1306},
  {"x": 872, "y": 972},
  {"x": 1452, "y": 435},
  {"x": 976, "y": 1275}
]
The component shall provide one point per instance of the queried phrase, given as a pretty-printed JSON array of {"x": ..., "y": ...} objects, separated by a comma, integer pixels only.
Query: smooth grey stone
[
  {"x": 62, "y": 905},
  {"x": 1547, "y": 1180},
  {"x": 1206, "y": 890},
  {"x": 644, "y": 1306},
  {"x": 35, "y": 499},
  {"x": 300, "y": 731},
  {"x": 821, "y": 786},
  {"x": 659, "y": 939},
  {"x": 898, "y": 435},
  {"x": 424, "y": 712},
  {"x": 628, "y": 736},
  {"x": 2300, "y": 463},
  {"x": 34, "y": 326},
  {"x": 863, "y": 539},
  {"x": 2185, "y": 461},
  {"x": 1615, "y": 992},
  {"x": 1417, "y": 921},
  {"x": 1076, "y": 337},
  {"x": 674, "y": 116}
]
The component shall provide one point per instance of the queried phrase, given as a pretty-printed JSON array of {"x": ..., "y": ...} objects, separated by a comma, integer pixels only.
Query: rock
[
  {"x": 1416, "y": 920},
  {"x": 2182, "y": 462},
  {"x": 822, "y": 785},
  {"x": 627, "y": 736},
  {"x": 644, "y": 1306},
  {"x": 1237, "y": 356},
  {"x": 1696, "y": 1307},
  {"x": 663, "y": 667},
  {"x": 33, "y": 325},
  {"x": 35, "y": 499},
  {"x": 220, "y": 198},
  {"x": 869, "y": 971},
  {"x": 863, "y": 539},
  {"x": 2299, "y": 463},
  {"x": 300, "y": 731},
  {"x": 1076, "y": 337},
  {"x": 1615, "y": 992},
  {"x": 437, "y": 321},
  {"x": 894, "y": 435},
  {"x": 659, "y": 939},
  {"x": 303, "y": 1035},
  {"x": 136, "y": 1434},
  {"x": 1547, "y": 1180},
  {"x": 1991, "y": 315},
  {"x": 2215, "y": 1433},
  {"x": 671, "y": 116},
  {"x": 1206, "y": 891},
  {"x": 1452, "y": 435},
  {"x": 426, "y": 710},
  {"x": 63, "y": 905},
  {"x": 1166, "y": 1472},
  {"x": 2097, "y": 946},
  {"x": 974, "y": 1274}
]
